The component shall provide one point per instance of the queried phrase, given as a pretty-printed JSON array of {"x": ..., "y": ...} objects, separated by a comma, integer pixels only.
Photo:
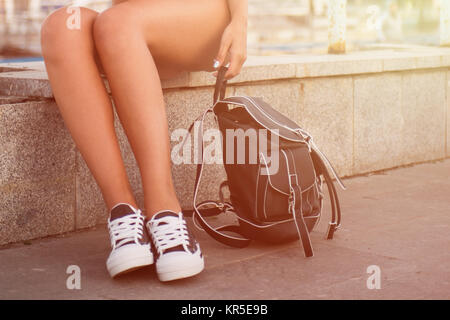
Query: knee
[
  {"x": 62, "y": 31},
  {"x": 113, "y": 29},
  {"x": 52, "y": 31}
]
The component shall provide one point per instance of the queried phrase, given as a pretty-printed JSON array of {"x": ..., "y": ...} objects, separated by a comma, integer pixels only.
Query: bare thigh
[{"x": 182, "y": 35}]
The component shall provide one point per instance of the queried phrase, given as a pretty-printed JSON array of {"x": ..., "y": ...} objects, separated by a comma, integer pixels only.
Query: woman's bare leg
[
  {"x": 137, "y": 41},
  {"x": 83, "y": 101}
]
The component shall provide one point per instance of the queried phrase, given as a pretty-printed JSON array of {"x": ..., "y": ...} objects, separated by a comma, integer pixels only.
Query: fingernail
[
  {"x": 216, "y": 64},
  {"x": 228, "y": 65}
]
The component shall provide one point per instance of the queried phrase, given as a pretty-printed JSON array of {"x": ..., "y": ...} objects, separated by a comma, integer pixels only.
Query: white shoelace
[
  {"x": 169, "y": 232},
  {"x": 129, "y": 228}
]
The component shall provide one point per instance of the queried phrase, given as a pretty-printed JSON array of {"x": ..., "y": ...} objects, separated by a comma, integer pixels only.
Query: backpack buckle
[
  {"x": 291, "y": 195},
  {"x": 219, "y": 205},
  {"x": 291, "y": 204},
  {"x": 307, "y": 138}
]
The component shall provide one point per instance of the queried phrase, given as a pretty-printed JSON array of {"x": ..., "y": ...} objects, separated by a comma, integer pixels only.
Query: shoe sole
[
  {"x": 182, "y": 273},
  {"x": 116, "y": 269}
]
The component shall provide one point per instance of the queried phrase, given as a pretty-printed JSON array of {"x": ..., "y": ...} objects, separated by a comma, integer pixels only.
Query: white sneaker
[
  {"x": 177, "y": 252},
  {"x": 130, "y": 244}
]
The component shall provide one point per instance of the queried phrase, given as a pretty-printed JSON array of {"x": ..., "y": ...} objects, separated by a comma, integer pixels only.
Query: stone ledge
[
  {"x": 31, "y": 80},
  {"x": 363, "y": 116}
]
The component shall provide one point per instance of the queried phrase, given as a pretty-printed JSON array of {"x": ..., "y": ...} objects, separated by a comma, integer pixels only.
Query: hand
[{"x": 233, "y": 49}]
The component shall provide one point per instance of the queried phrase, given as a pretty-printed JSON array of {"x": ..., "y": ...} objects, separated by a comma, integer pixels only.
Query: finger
[
  {"x": 236, "y": 63},
  {"x": 222, "y": 54}
]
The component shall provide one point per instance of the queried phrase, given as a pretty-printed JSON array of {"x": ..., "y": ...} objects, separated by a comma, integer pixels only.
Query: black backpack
[{"x": 272, "y": 207}]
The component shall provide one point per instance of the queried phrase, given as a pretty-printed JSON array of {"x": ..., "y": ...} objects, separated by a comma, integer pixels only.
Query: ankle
[
  {"x": 125, "y": 200},
  {"x": 151, "y": 210}
]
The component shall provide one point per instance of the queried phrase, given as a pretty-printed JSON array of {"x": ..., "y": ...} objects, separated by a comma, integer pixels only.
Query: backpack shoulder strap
[
  {"x": 334, "y": 200},
  {"x": 198, "y": 214}
]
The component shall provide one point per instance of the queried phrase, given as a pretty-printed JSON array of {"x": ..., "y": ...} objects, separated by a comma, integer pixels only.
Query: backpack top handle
[{"x": 221, "y": 84}]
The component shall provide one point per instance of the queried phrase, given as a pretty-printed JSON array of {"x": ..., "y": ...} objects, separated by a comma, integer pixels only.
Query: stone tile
[
  {"x": 34, "y": 144},
  {"x": 180, "y": 81},
  {"x": 340, "y": 66},
  {"x": 25, "y": 83},
  {"x": 423, "y": 107},
  {"x": 377, "y": 122},
  {"x": 13, "y": 100},
  {"x": 266, "y": 72},
  {"x": 448, "y": 113},
  {"x": 326, "y": 111},
  {"x": 426, "y": 61},
  {"x": 398, "y": 119},
  {"x": 279, "y": 59},
  {"x": 397, "y": 62},
  {"x": 6, "y": 68},
  {"x": 200, "y": 79},
  {"x": 36, "y": 172},
  {"x": 32, "y": 65},
  {"x": 32, "y": 209},
  {"x": 446, "y": 59}
]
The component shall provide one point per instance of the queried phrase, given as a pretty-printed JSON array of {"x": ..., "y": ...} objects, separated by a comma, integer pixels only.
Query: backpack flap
[{"x": 265, "y": 116}]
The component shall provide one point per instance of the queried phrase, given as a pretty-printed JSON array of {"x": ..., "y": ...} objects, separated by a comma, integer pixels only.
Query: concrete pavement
[{"x": 398, "y": 220}]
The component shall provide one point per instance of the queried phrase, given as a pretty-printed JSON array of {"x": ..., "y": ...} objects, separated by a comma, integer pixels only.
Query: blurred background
[{"x": 275, "y": 26}]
